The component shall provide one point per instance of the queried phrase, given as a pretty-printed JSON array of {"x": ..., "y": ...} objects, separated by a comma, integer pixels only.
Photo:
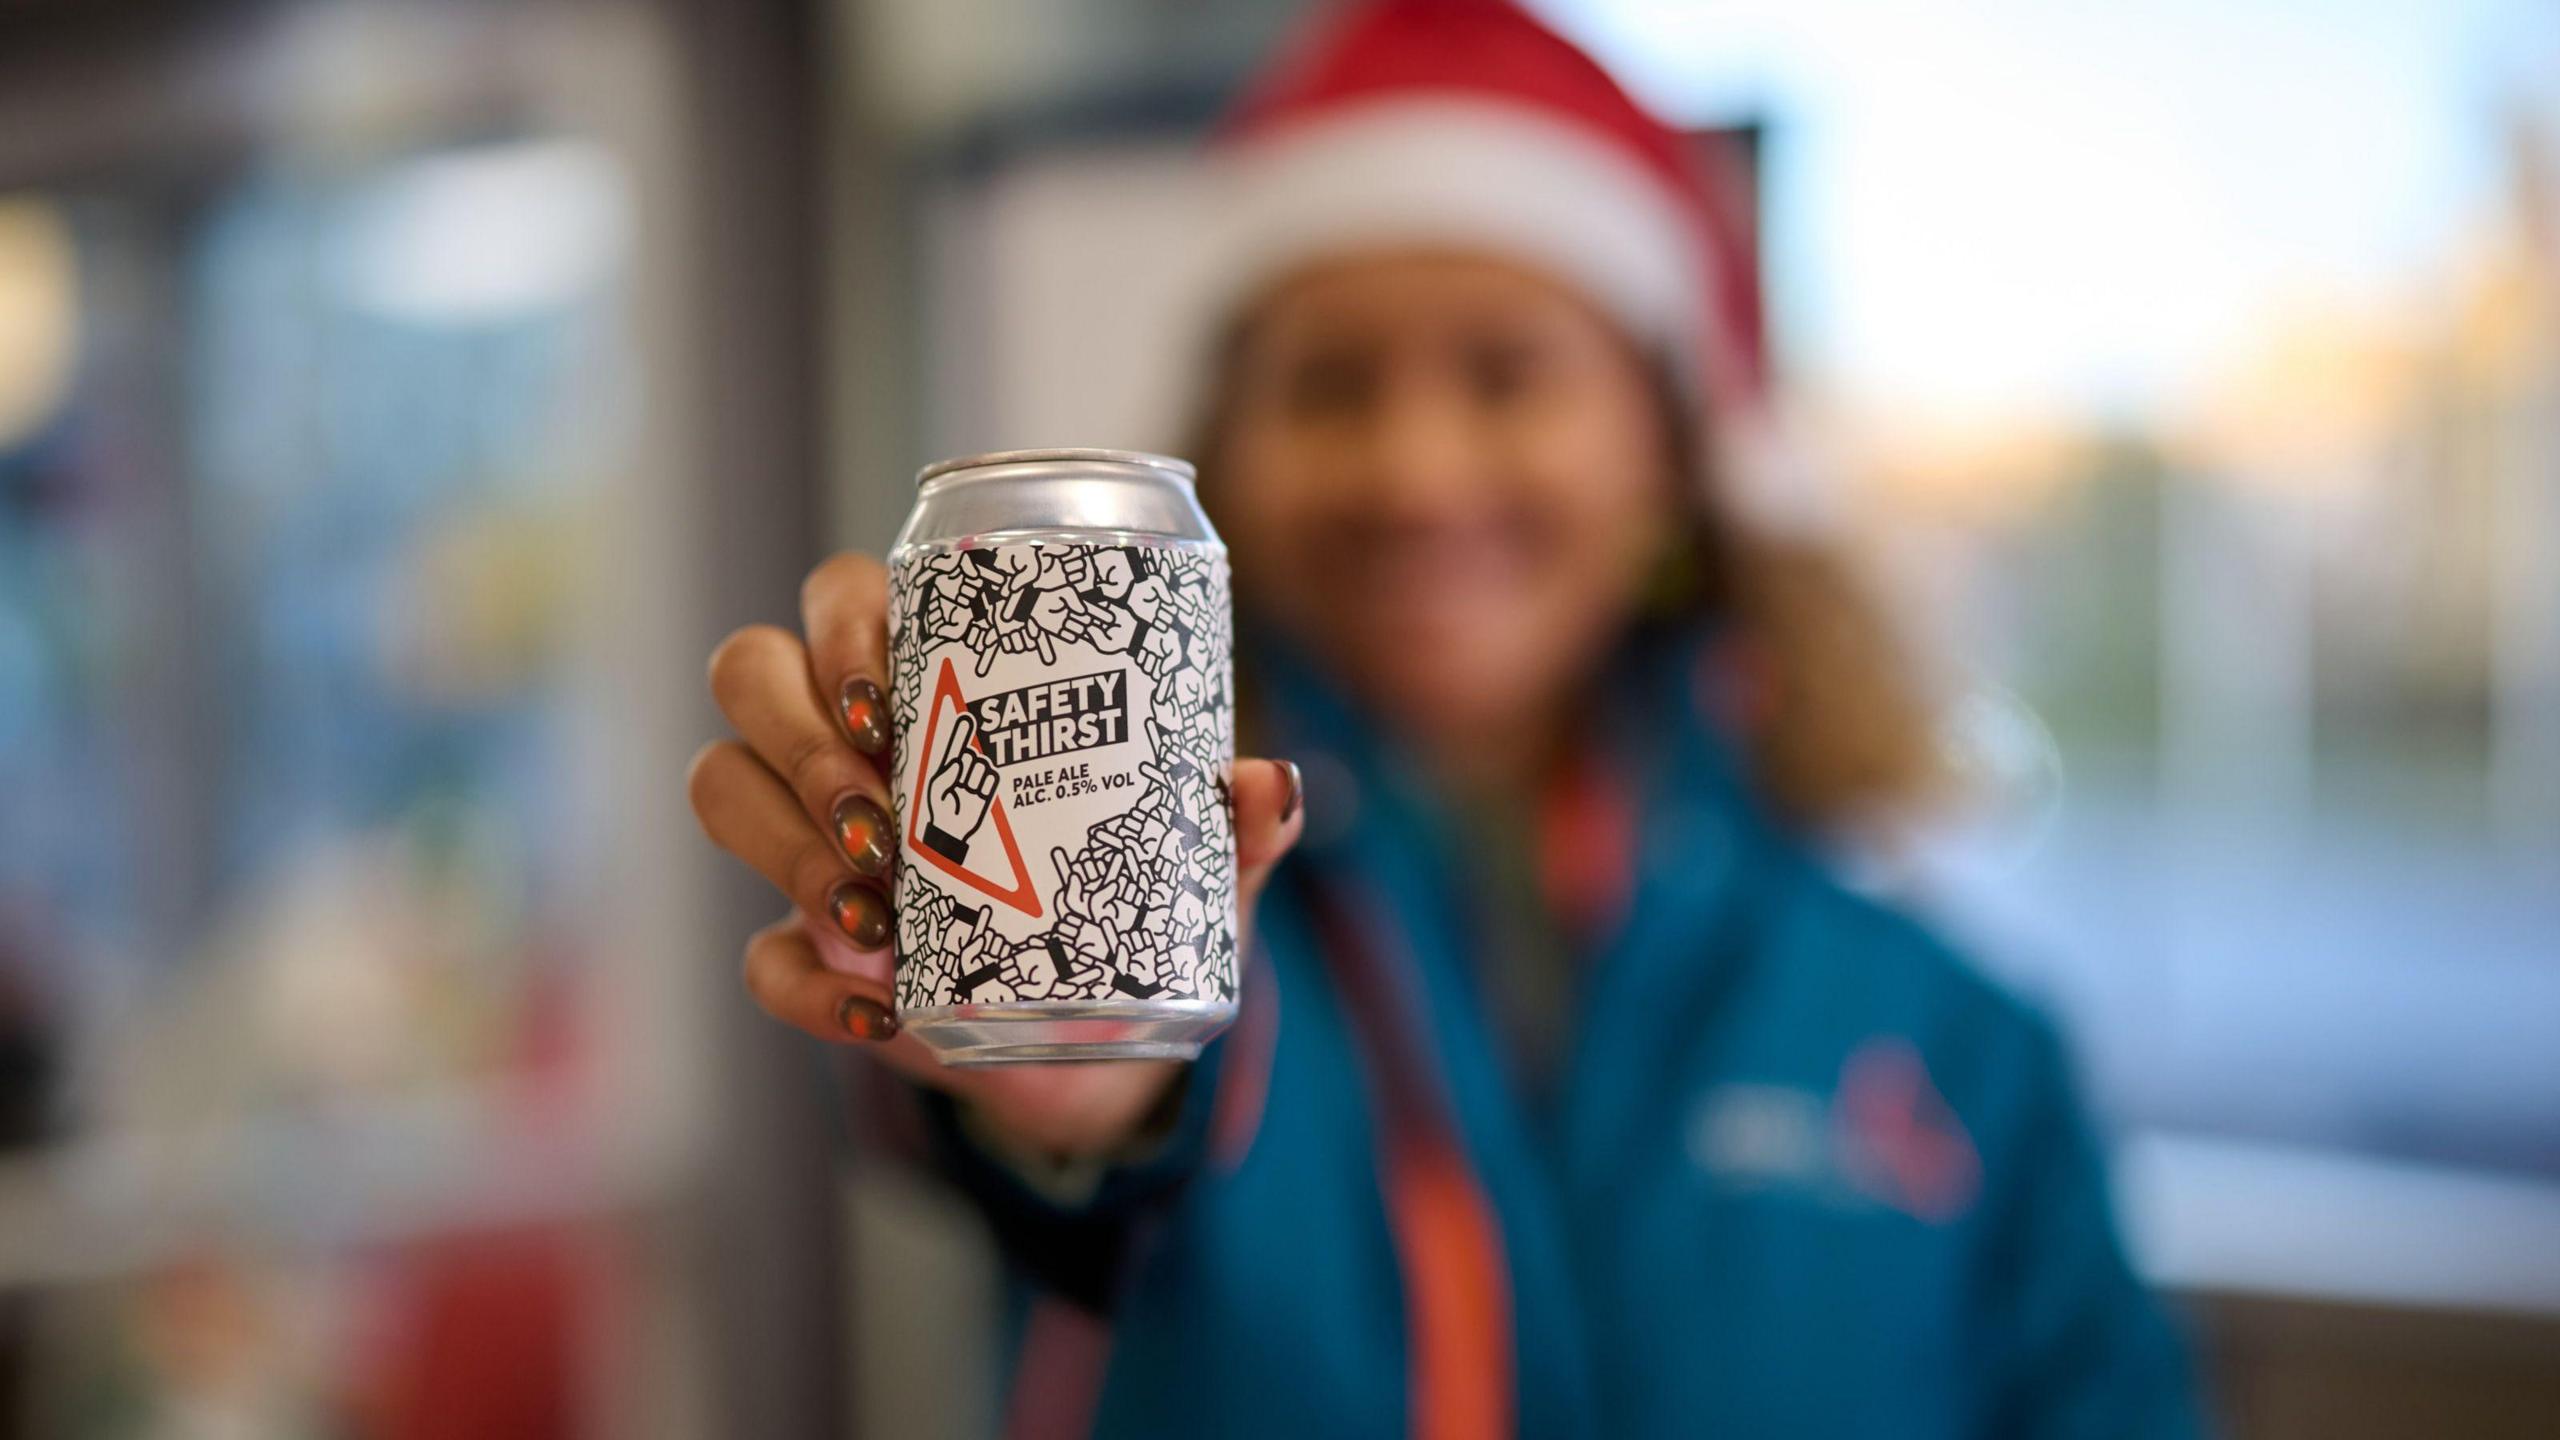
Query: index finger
[
  {"x": 956, "y": 742},
  {"x": 844, "y": 611}
]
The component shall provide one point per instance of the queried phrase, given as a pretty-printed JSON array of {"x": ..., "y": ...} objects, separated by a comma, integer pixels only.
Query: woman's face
[{"x": 1448, "y": 478}]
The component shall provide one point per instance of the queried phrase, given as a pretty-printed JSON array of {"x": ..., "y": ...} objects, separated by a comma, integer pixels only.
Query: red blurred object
[{"x": 483, "y": 1339}]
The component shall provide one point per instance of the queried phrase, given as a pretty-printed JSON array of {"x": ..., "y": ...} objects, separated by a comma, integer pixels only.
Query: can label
[{"x": 1065, "y": 734}]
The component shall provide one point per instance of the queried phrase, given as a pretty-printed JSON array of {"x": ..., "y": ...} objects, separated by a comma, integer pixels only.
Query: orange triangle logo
[{"x": 1023, "y": 896}]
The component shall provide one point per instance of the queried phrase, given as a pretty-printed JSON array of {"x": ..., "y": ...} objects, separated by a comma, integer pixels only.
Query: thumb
[{"x": 1270, "y": 813}]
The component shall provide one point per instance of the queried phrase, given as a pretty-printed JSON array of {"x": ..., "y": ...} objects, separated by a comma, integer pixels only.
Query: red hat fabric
[{"x": 1469, "y": 122}]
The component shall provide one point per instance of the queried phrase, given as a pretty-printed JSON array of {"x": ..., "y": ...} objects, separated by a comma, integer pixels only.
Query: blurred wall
[{"x": 438, "y": 382}]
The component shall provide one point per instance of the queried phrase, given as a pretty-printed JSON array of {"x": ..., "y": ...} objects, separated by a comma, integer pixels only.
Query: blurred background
[{"x": 397, "y": 400}]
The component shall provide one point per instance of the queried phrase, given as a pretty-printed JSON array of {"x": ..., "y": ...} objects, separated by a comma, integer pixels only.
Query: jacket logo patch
[
  {"x": 1883, "y": 1137},
  {"x": 1901, "y": 1143}
]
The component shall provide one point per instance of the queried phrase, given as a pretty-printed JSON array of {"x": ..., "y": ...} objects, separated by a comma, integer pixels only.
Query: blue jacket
[{"x": 1802, "y": 1172}]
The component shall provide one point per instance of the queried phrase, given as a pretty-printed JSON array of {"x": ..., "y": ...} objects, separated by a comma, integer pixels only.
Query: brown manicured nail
[
  {"x": 1297, "y": 791},
  {"x": 863, "y": 830},
  {"x": 866, "y": 1019},
  {"x": 865, "y": 713},
  {"x": 861, "y": 913}
]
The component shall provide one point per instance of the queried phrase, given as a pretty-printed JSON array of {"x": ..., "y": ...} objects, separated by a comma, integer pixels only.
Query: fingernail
[
  {"x": 866, "y": 716},
  {"x": 866, "y": 1019},
  {"x": 863, "y": 830},
  {"x": 1297, "y": 791},
  {"x": 861, "y": 913}
]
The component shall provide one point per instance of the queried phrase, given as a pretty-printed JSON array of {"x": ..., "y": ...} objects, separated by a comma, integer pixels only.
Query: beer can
[{"x": 1062, "y": 686}]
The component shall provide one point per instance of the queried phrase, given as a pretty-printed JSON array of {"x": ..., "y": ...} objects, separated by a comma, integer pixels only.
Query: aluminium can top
[
  {"x": 1087, "y": 495},
  {"x": 1178, "y": 469}
]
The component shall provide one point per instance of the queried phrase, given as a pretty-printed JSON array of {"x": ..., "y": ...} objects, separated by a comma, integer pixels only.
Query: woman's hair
[
  {"x": 1823, "y": 686},
  {"x": 1811, "y": 674}
]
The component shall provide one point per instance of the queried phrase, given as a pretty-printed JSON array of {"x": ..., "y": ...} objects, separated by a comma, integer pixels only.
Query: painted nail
[
  {"x": 1297, "y": 791},
  {"x": 865, "y": 713},
  {"x": 861, "y": 913},
  {"x": 863, "y": 830},
  {"x": 866, "y": 1019}
]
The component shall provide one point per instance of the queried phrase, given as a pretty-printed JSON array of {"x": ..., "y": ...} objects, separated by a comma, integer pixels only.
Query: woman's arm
[{"x": 1072, "y": 1222}]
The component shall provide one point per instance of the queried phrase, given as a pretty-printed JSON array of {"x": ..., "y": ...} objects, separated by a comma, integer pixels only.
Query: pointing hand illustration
[{"x": 956, "y": 796}]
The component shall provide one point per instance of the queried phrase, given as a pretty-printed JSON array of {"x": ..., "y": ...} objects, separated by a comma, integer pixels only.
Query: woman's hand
[{"x": 801, "y": 795}]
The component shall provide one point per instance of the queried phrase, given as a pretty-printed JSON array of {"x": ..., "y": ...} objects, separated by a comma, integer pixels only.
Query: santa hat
[{"x": 1469, "y": 123}]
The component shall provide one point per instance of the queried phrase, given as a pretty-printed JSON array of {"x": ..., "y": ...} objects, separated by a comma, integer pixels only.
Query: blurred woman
[{"x": 1569, "y": 1095}]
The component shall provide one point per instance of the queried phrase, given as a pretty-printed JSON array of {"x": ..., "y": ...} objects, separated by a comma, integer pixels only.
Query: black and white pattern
[{"x": 1137, "y": 883}]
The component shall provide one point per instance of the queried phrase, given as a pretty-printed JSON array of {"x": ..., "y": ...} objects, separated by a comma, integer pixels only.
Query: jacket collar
[{"x": 1363, "y": 786}]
